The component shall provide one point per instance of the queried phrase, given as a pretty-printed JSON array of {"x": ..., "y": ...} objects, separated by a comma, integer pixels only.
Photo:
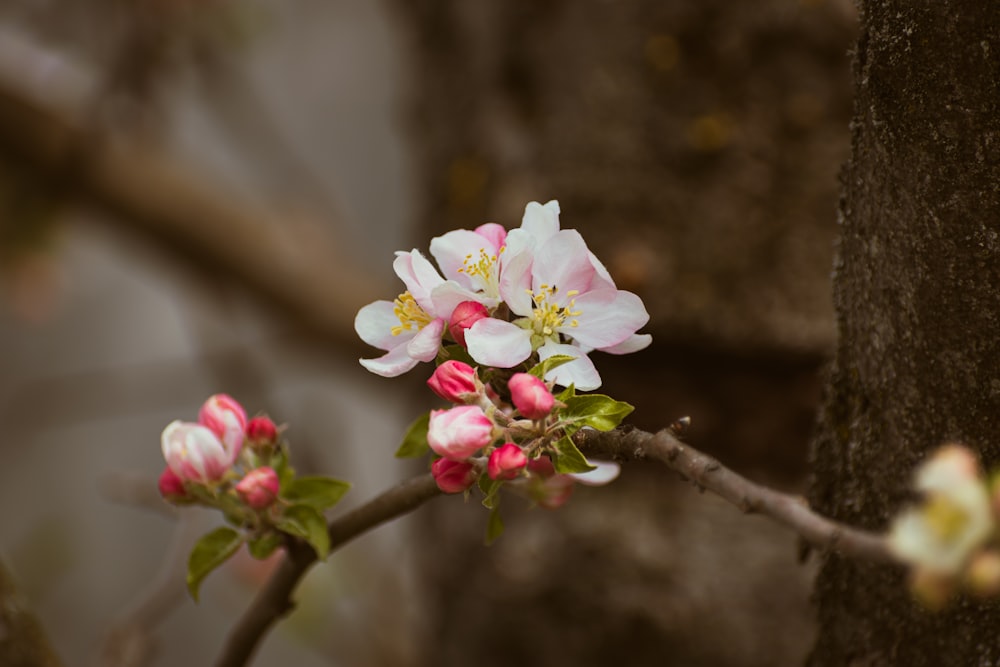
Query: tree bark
[{"x": 916, "y": 293}]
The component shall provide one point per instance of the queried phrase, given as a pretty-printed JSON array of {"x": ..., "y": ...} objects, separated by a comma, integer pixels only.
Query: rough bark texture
[{"x": 916, "y": 292}]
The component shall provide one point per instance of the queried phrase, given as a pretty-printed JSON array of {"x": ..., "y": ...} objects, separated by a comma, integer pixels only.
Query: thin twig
[
  {"x": 707, "y": 473},
  {"x": 275, "y": 599}
]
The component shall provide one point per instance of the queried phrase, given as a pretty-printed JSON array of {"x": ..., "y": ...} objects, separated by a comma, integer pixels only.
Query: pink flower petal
[
  {"x": 606, "y": 318},
  {"x": 425, "y": 345},
  {"x": 451, "y": 250},
  {"x": 494, "y": 233},
  {"x": 393, "y": 363},
  {"x": 515, "y": 283},
  {"x": 633, "y": 343},
  {"x": 563, "y": 262},
  {"x": 496, "y": 343}
]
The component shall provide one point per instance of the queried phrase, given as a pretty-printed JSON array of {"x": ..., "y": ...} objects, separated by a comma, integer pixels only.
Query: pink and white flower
[
  {"x": 460, "y": 432},
  {"x": 473, "y": 259},
  {"x": 409, "y": 329},
  {"x": 506, "y": 462},
  {"x": 194, "y": 453},
  {"x": 453, "y": 476},
  {"x": 530, "y": 396},
  {"x": 259, "y": 488},
  {"x": 226, "y": 418},
  {"x": 567, "y": 304}
]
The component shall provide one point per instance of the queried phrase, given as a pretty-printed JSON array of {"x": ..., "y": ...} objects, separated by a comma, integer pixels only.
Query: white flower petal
[
  {"x": 606, "y": 318},
  {"x": 452, "y": 249},
  {"x": 425, "y": 345},
  {"x": 374, "y": 325},
  {"x": 633, "y": 343},
  {"x": 604, "y": 473},
  {"x": 496, "y": 343},
  {"x": 580, "y": 372},
  {"x": 419, "y": 276},
  {"x": 393, "y": 363},
  {"x": 446, "y": 296},
  {"x": 563, "y": 262},
  {"x": 541, "y": 222},
  {"x": 515, "y": 283}
]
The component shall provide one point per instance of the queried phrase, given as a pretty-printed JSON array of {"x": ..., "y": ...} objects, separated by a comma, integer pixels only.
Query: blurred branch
[
  {"x": 275, "y": 599},
  {"x": 296, "y": 268},
  {"x": 624, "y": 444},
  {"x": 22, "y": 640}
]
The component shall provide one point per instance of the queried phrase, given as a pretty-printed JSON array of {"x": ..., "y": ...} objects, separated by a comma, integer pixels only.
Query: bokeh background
[{"x": 197, "y": 195}]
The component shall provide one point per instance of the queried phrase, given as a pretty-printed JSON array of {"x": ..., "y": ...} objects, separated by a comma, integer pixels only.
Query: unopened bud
[
  {"x": 506, "y": 462},
  {"x": 262, "y": 435},
  {"x": 195, "y": 453},
  {"x": 530, "y": 396},
  {"x": 259, "y": 488},
  {"x": 226, "y": 418},
  {"x": 453, "y": 476},
  {"x": 171, "y": 486},
  {"x": 455, "y": 381},
  {"x": 464, "y": 316},
  {"x": 460, "y": 432}
]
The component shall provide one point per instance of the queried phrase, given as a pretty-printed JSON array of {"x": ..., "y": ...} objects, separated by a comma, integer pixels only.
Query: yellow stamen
[{"x": 411, "y": 315}]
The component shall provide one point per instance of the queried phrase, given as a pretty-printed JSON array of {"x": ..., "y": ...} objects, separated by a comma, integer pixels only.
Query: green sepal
[
  {"x": 306, "y": 522},
  {"x": 455, "y": 353},
  {"x": 263, "y": 546},
  {"x": 595, "y": 410},
  {"x": 494, "y": 526},
  {"x": 568, "y": 458},
  {"x": 318, "y": 492},
  {"x": 491, "y": 491},
  {"x": 414, "y": 443},
  {"x": 211, "y": 551},
  {"x": 539, "y": 370}
]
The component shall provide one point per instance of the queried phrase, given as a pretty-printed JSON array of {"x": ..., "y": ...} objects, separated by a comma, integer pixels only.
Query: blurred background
[{"x": 197, "y": 196}]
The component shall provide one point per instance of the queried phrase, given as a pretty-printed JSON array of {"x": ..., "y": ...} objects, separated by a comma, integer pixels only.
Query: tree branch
[
  {"x": 707, "y": 473},
  {"x": 275, "y": 599}
]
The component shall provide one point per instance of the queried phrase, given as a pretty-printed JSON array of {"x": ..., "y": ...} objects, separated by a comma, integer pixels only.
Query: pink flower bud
[
  {"x": 194, "y": 453},
  {"x": 464, "y": 316},
  {"x": 453, "y": 476},
  {"x": 542, "y": 467},
  {"x": 530, "y": 396},
  {"x": 460, "y": 432},
  {"x": 171, "y": 486},
  {"x": 259, "y": 488},
  {"x": 455, "y": 381},
  {"x": 262, "y": 434},
  {"x": 506, "y": 462},
  {"x": 226, "y": 418}
]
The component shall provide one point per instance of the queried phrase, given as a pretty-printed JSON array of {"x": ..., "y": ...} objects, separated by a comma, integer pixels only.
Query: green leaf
[
  {"x": 306, "y": 522},
  {"x": 569, "y": 458},
  {"x": 414, "y": 443},
  {"x": 263, "y": 546},
  {"x": 456, "y": 353},
  {"x": 491, "y": 491},
  {"x": 318, "y": 492},
  {"x": 567, "y": 393},
  {"x": 494, "y": 527},
  {"x": 555, "y": 361},
  {"x": 595, "y": 410},
  {"x": 211, "y": 551}
]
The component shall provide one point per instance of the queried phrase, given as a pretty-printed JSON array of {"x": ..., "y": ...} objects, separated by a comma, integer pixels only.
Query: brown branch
[
  {"x": 275, "y": 600},
  {"x": 707, "y": 473}
]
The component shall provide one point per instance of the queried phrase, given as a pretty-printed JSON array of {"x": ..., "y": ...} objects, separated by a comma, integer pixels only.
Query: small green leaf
[
  {"x": 263, "y": 546},
  {"x": 211, "y": 551},
  {"x": 569, "y": 458},
  {"x": 567, "y": 393},
  {"x": 456, "y": 353},
  {"x": 318, "y": 492},
  {"x": 494, "y": 527},
  {"x": 595, "y": 410},
  {"x": 555, "y": 361},
  {"x": 491, "y": 491},
  {"x": 414, "y": 443},
  {"x": 306, "y": 522}
]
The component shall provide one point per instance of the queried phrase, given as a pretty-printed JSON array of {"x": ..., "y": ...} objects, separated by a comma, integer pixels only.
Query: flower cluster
[
  {"x": 503, "y": 299},
  {"x": 950, "y": 539},
  {"x": 507, "y": 316},
  {"x": 240, "y": 466}
]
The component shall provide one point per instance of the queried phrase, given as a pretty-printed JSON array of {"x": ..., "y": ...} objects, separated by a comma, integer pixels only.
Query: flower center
[
  {"x": 411, "y": 316},
  {"x": 482, "y": 269},
  {"x": 547, "y": 315},
  {"x": 945, "y": 517}
]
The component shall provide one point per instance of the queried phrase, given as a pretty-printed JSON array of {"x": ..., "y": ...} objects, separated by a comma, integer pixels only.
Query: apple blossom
[
  {"x": 409, "y": 329},
  {"x": 954, "y": 520},
  {"x": 259, "y": 488},
  {"x": 194, "y": 453},
  {"x": 454, "y": 476},
  {"x": 566, "y": 306},
  {"x": 506, "y": 462},
  {"x": 460, "y": 432},
  {"x": 226, "y": 418},
  {"x": 455, "y": 381},
  {"x": 473, "y": 259},
  {"x": 262, "y": 434},
  {"x": 530, "y": 396}
]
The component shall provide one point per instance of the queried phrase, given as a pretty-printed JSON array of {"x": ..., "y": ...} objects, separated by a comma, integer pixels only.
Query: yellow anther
[{"x": 411, "y": 315}]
